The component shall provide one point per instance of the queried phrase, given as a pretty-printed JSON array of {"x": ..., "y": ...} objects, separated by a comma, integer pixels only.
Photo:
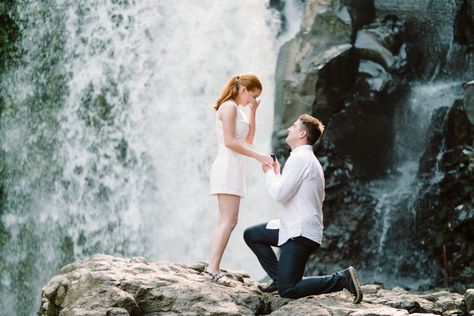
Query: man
[{"x": 298, "y": 233}]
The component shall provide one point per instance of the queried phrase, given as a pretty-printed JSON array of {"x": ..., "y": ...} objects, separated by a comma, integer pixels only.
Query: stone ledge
[{"x": 107, "y": 285}]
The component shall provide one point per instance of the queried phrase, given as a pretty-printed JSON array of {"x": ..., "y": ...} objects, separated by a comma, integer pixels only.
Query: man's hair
[{"x": 313, "y": 127}]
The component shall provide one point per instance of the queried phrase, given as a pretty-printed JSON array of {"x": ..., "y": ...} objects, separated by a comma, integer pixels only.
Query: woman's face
[{"x": 248, "y": 96}]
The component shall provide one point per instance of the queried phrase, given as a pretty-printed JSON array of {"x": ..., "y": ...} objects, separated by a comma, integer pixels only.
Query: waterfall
[
  {"x": 109, "y": 134},
  {"x": 395, "y": 210}
]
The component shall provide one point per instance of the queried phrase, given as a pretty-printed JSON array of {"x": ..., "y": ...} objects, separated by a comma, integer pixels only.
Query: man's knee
[{"x": 248, "y": 233}]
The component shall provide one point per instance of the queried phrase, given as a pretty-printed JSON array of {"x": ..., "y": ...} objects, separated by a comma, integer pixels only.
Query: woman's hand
[
  {"x": 265, "y": 159},
  {"x": 254, "y": 105}
]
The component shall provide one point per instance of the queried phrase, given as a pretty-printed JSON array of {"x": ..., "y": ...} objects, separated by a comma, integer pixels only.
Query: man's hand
[
  {"x": 266, "y": 167},
  {"x": 276, "y": 166}
]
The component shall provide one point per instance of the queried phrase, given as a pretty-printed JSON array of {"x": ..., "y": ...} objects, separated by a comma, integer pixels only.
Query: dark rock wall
[
  {"x": 432, "y": 50},
  {"x": 352, "y": 65},
  {"x": 445, "y": 202}
]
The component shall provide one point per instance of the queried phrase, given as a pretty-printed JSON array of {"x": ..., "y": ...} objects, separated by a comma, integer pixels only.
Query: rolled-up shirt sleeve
[{"x": 283, "y": 187}]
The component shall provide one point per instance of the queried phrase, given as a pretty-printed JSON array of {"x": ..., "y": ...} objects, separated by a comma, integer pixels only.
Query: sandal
[{"x": 220, "y": 279}]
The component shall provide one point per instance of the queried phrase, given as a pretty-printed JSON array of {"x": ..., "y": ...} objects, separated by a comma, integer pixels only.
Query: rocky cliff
[
  {"x": 106, "y": 285},
  {"x": 385, "y": 78}
]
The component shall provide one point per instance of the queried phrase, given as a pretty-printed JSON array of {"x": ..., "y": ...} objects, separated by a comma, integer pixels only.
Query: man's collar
[{"x": 302, "y": 147}]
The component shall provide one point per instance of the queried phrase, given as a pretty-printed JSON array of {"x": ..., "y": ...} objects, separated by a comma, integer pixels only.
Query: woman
[{"x": 234, "y": 129}]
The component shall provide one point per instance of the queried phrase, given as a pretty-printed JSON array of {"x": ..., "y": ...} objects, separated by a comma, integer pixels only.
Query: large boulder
[
  {"x": 348, "y": 78},
  {"x": 104, "y": 285},
  {"x": 323, "y": 37}
]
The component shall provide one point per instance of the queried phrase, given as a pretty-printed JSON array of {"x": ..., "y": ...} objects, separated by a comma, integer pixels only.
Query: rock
[
  {"x": 382, "y": 43},
  {"x": 445, "y": 203},
  {"x": 375, "y": 75},
  {"x": 469, "y": 101},
  {"x": 323, "y": 37},
  {"x": 464, "y": 24},
  {"x": 429, "y": 158},
  {"x": 354, "y": 87},
  {"x": 469, "y": 299},
  {"x": 430, "y": 33},
  {"x": 362, "y": 12},
  {"x": 105, "y": 285},
  {"x": 352, "y": 65}
]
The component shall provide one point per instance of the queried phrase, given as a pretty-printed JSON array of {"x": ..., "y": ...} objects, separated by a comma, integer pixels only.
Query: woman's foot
[{"x": 219, "y": 278}]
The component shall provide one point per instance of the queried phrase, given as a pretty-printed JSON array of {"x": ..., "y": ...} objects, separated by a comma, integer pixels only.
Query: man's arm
[{"x": 283, "y": 187}]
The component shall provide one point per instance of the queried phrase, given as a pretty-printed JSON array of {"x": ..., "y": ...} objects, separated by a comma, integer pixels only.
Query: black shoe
[
  {"x": 272, "y": 287},
  {"x": 353, "y": 284}
]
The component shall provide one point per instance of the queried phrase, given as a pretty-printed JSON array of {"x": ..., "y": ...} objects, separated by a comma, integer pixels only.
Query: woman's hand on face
[{"x": 254, "y": 104}]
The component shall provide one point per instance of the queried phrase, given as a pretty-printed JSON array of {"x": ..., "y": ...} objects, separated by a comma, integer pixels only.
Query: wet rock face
[
  {"x": 352, "y": 80},
  {"x": 382, "y": 43},
  {"x": 323, "y": 38},
  {"x": 464, "y": 24},
  {"x": 430, "y": 26},
  {"x": 469, "y": 101},
  {"x": 353, "y": 89},
  {"x": 446, "y": 200},
  {"x": 362, "y": 12},
  {"x": 354, "y": 72},
  {"x": 429, "y": 159},
  {"x": 363, "y": 107}
]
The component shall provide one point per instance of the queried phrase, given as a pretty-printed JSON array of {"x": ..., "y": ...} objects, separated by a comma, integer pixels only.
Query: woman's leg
[{"x": 228, "y": 216}]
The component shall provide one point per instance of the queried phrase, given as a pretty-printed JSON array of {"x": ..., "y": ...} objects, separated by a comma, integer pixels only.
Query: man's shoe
[
  {"x": 353, "y": 284},
  {"x": 272, "y": 287}
]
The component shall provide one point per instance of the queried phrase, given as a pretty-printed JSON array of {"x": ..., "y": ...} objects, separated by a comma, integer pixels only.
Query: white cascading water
[{"x": 118, "y": 161}]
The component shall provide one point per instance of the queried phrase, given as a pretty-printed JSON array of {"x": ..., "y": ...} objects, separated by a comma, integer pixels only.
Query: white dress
[{"x": 228, "y": 170}]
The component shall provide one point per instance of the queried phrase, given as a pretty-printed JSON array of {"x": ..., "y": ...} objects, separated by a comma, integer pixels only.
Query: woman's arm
[{"x": 228, "y": 114}]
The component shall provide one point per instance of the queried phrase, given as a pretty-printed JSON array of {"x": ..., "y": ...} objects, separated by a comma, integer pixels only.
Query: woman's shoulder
[{"x": 229, "y": 103}]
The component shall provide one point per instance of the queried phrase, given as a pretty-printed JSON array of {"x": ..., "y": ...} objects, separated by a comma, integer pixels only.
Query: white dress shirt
[{"x": 300, "y": 190}]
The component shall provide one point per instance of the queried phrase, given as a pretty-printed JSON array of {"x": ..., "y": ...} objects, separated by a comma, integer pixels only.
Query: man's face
[{"x": 294, "y": 133}]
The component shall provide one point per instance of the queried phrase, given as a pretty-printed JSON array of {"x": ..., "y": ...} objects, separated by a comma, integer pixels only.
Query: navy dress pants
[{"x": 288, "y": 271}]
